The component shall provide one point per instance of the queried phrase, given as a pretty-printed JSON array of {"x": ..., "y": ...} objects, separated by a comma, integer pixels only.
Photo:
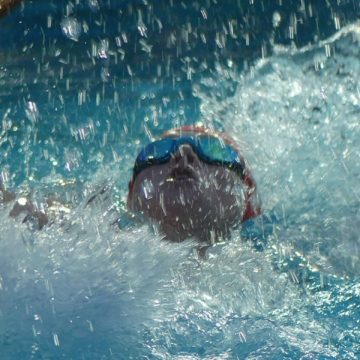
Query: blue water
[{"x": 83, "y": 85}]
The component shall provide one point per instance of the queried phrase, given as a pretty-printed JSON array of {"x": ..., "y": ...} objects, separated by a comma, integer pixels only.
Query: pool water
[{"x": 81, "y": 89}]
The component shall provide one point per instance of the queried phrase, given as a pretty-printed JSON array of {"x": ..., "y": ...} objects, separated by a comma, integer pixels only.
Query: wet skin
[{"x": 187, "y": 197}]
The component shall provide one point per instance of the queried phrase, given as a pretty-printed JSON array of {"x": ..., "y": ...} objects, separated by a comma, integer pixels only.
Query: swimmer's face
[{"x": 187, "y": 197}]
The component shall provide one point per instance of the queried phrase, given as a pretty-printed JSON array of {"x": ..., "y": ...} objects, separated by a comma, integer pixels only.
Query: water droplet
[
  {"x": 145, "y": 46},
  {"x": 162, "y": 203},
  {"x": 105, "y": 75},
  {"x": 204, "y": 13},
  {"x": 71, "y": 28},
  {"x": 56, "y": 340},
  {"x": 337, "y": 22},
  {"x": 94, "y": 5},
  {"x": 148, "y": 189},
  {"x": 242, "y": 336},
  {"x": 118, "y": 41},
  {"x": 291, "y": 32},
  {"x": 327, "y": 50},
  {"x": 31, "y": 111},
  {"x": 103, "y": 49},
  {"x": 91, "y": 327},
  {"x": 276, "y": 19}
]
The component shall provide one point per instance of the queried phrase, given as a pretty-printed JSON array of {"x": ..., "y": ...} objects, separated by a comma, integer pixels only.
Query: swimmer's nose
[{"x": 185, "y": 156}]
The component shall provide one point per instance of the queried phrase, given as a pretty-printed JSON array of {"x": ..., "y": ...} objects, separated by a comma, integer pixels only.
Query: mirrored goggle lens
[
  {"x": 216, "y": 150},
  {"x": 156, "y": 151}
]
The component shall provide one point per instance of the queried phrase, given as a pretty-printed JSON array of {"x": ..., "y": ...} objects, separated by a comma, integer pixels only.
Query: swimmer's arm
[
  {"x": 6, "y": 196},
  {"x": 23, "y": 206}
]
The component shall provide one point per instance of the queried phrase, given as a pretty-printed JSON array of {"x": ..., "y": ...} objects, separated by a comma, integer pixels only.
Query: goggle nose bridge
[{"x": 187, "y": 140}]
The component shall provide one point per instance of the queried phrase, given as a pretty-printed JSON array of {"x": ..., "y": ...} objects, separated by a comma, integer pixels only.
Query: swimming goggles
[{"x": 209, "y": 148}]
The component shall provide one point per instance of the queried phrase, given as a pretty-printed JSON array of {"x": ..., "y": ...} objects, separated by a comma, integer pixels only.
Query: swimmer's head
[{"x": 193, "y": 182}]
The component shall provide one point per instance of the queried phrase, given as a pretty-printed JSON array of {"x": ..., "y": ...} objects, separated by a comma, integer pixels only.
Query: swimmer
[{"x": 193, "y": 182}]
